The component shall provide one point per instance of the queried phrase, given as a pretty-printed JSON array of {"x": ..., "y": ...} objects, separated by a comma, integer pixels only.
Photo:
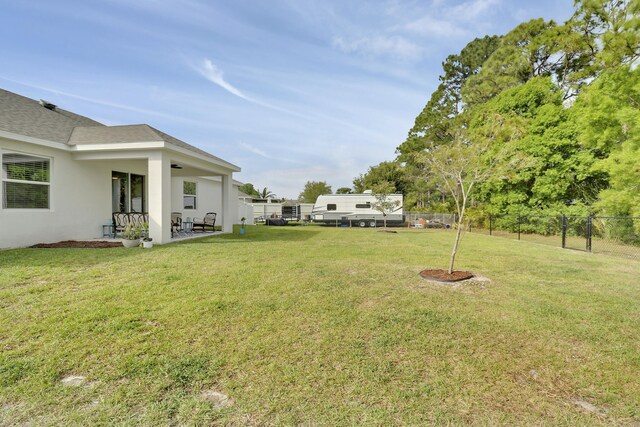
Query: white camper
[{"x": 354, "y": 210}]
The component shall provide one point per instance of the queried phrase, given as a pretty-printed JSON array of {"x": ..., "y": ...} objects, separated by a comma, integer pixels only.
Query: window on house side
[
  {"x": 25, "y": 181},
  {"x": 189, "y": 194}
]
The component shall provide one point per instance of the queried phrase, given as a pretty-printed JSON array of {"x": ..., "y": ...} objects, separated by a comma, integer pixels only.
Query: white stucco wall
[
  {"x": 80, "y": 199},
  {"x": 208, "y": 199}
]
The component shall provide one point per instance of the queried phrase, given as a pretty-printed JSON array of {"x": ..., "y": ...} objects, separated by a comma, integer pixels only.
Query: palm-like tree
[{"x": 266, "y": 194}]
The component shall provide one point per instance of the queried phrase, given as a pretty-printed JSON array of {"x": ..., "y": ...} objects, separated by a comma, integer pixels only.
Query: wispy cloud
[
  {"x": 452, "y": 21},
  {"x": 215, "y": 75},
  {"x": 391, "y": 46},
  {"x": 260, "y": 152},
  {"x": 429, "y": 26},
  {"x": 255, "y": 150},
  {"x": 472, "y": 10}
]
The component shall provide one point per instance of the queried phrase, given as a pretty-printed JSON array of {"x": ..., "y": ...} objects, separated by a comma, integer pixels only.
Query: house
[{"x": 64, "y": 174}]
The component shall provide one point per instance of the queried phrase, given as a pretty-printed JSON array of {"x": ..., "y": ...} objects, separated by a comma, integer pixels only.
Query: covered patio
[{"x": 165, "y": 162}]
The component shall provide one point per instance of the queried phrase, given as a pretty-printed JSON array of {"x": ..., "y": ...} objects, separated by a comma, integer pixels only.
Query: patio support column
[
  {"x": 160, "y": 198},
  {"x": 227, "y": 204}
]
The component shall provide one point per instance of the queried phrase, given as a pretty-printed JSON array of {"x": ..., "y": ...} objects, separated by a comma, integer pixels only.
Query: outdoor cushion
[{"x": 209, "y": 220}]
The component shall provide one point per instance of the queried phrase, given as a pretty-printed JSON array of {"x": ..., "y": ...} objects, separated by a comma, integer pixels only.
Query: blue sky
[{"x": 289, "y": 90}]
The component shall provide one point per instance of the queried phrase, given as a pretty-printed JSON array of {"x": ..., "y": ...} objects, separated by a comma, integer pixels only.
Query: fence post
[
  {"x": 518, "y": 226},
  {"x": 589, "y": 231},
  {"x": 564, "y": 231},
  {"x": 490, "y": 225}
]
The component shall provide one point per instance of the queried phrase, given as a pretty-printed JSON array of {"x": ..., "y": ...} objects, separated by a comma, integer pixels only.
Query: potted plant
[
  {"x": 131, "y": 236},
  {"x": 242, "y": 220},
  {"x": 147, "y": 242}
]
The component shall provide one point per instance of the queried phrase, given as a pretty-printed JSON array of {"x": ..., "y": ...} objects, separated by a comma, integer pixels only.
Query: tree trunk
[
  {"x": 455, "y": 244},
  {"x": 384, "y": 218}
]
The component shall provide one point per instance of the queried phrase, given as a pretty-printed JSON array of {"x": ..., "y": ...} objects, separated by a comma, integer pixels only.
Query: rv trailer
[{"x": 354, "y": 210}]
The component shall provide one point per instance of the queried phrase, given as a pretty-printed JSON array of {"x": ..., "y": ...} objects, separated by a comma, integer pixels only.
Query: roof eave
[{"x": 33, "y": 140}]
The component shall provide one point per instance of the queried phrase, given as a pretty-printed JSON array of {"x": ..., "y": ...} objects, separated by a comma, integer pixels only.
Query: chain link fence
[
  {"x": 607, "y": 235},
  {"x": 430, "y": 220}
]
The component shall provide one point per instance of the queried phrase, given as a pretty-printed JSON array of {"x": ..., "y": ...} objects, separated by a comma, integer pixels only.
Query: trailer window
[
  {"x": 363, "y": 205},
  {"x": 332, "y": 207}
]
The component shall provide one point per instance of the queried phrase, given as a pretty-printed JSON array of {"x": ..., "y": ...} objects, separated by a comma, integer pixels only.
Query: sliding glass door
[{"x": 127, "y": 192}]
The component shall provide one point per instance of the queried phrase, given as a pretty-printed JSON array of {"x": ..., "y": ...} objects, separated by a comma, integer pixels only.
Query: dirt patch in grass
[
  {"x": 79, "y": 244},
  {"x": 440, "y": 275}
]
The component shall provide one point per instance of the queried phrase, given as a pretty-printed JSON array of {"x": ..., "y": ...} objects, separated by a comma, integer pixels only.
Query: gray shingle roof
[
  {"x": 128, "y": 133},
  {"x": 113, "y": 135},
  {"x": 25, "y": 116},
  {"x": 28, "y": 117}
]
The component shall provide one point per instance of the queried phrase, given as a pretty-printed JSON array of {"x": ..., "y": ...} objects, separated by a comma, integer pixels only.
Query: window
[
  {"x": 331, "y": 207},
  {"x": 25, "y": 181},
  {"x": 137, "y": 193},
  {"x": 363, "y": 205},
  {"x": 189, "y": 194},
  {"x": 128, "y": 192}
]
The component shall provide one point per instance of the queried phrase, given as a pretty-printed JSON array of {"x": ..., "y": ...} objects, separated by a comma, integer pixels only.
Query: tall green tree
[
  {"x": 559, "y": 170},
  {"x": 249, "y": 190},
  {"x": 313, "y": 189},
  {"x": 613, "y": 28},
  {"x": 525, "y": 52},
  {"x": 434, "y": 123},
  {"x": 344, "y": 190},
  {"x": 391, "y": 171},
  {"x": 608, "y": 116}
]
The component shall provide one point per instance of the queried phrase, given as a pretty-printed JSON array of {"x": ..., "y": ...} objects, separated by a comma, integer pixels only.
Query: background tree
[
  {"x": 344, "y": 190},
  {"x": 313, "y": 189},
  {"x": 609, "y": 122},
  {"x": 433, "y": 125},
  {"x": 559, "y": 172},
  {"x": 249, "y": 190},
  {"x": 265, "y": 193},
  {"x": 571, "y": 91},
  {"x": 392, "y": 172},
  {"x": 383, "y": 203}
]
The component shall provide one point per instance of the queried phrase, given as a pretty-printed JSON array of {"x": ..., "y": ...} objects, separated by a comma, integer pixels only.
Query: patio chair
[
  {"x": 209, "y": 220},
  {"x": 120, "y": 221},
  {"x": 176, "y": 222}
]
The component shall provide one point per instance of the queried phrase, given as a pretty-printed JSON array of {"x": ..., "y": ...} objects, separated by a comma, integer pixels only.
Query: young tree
[
  {"x": 461, "y": 165},
  {"x": 383, "y": 203},
  {"x": 313, "y": 189}
]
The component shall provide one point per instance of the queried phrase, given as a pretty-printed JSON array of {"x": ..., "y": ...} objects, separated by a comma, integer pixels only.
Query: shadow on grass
[
  {"x": 91, "y": 257},
  {"x": 259, "y": 234},
  {"x": 63, "y": 257}
]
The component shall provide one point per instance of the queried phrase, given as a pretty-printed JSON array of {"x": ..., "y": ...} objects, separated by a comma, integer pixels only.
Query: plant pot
[
  {"x": 242, "y": 231},
  {"x": 130, "y": 243},
  {"x": 147, "y": 245}
]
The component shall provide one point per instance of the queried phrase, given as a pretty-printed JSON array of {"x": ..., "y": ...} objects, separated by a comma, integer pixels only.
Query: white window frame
[
  {"x": 194, "y": 195},
  {"x": 20, "y": 181}
]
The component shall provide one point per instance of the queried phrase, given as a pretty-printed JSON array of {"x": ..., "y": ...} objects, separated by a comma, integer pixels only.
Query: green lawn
[{"x": 319, "y": 326}]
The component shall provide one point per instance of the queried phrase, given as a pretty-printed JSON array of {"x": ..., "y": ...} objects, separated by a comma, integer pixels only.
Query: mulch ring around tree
[
  {"x": 79, "y": 244},
  {"x": 439, "y": 275}
]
